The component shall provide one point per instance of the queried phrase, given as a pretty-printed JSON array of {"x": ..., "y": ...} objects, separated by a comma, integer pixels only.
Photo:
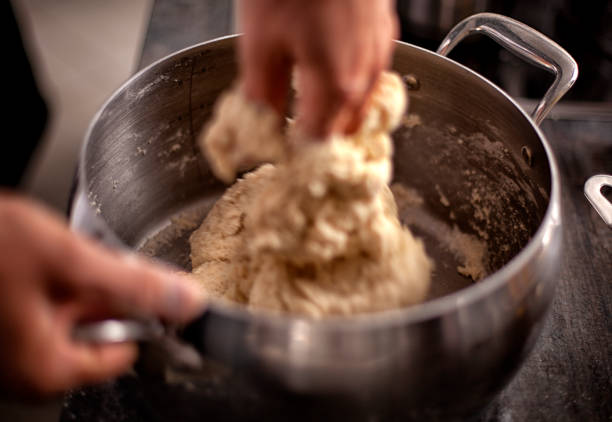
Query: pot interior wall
[{"x": 474, "y": 160}]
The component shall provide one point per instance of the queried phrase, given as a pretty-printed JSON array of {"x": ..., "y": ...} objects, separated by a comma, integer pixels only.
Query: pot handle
[
  {"x": 118, "y": 331},
  {"x": 161, "y": 345},
  {"x": 528, "y": 44},
  {"x": 592, "y": 190}
]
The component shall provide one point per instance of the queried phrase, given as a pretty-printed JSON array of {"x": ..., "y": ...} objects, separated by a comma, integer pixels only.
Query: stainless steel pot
[{"x": 140, "y": 167}]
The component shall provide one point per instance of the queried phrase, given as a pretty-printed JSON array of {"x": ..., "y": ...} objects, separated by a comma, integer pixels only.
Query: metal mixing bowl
[{"x": 475, "y": 153}]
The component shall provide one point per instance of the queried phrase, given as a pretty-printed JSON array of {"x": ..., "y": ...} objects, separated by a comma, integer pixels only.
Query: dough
[
  {"x": 317, "y": 233},
  {"x": 242, "y": 135}
]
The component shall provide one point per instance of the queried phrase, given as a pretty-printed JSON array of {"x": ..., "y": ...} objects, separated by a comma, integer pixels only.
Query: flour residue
[
  {"x": 181, "y": 164},
  {"x": 443, "y": 199},
  {"x": 411, "y": 120},
  {"x": 168, "y": 240},
  {"x": 94, "y": 202},
  {"x": 469, "y": 251},
  {"x": 138, "y": 95},
  {"x": 175, "y": 227}
]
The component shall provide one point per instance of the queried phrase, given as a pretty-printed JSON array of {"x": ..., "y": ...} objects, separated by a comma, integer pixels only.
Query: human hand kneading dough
[{"x": 338, "y": 47}]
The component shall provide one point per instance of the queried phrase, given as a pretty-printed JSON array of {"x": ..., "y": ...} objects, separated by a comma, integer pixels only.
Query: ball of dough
[{"x": 316, "y": 234}]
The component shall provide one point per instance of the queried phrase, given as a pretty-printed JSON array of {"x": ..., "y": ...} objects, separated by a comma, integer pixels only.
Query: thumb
[
  {"x": 126, "y": 284},
  {"x": 147, "y": 287}
]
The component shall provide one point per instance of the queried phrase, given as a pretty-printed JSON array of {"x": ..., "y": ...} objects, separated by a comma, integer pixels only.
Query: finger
[
  {"x": 328, "y": 104},
  {"x": 265, "y": 73},
  {"x": 395, "y": 26},
  {"x": 338, "y": 79},
  {"x": 382, "y": 45},
  {"x": 359, "y": 112},
  {"x": 123, "y": 283},
  {"x": 356, "y": 109},
  {"x": 133, "y": 285},
  {"x": 385, "y": 44},
  {"x": 382, "y": 49}
]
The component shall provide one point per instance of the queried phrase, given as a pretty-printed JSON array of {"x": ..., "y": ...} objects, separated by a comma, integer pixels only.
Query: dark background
[{"x": 582, "y": 27}]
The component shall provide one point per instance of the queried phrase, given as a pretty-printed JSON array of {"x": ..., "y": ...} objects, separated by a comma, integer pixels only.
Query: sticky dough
[{"x": 317, "y": 232}]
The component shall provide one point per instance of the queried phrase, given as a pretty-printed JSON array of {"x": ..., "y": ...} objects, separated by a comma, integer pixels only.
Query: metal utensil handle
[
  {"x": 592, "y": 190},
  {"x": 118, "y": 331},
  {"x": 528, "y": 44}
]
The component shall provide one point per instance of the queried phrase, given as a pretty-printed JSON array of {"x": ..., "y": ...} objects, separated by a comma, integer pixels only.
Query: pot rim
[{"x": 413, "y": 314}]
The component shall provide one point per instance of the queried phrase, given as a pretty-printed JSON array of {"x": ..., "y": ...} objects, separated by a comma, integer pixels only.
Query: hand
[
  {"x": 339, "y": 48},
  {"x": 50, "y": 279}
]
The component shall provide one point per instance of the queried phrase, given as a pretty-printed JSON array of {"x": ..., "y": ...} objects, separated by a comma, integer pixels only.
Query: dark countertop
[{"x": 568, "y": 376}]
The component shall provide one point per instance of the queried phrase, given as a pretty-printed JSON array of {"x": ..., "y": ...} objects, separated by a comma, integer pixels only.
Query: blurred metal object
[
  {"x": 140, "y": 166},
  {"x": 526, "y": 43},
  {"x": 118, "y": 331},
  {"x": 592, "y": 190}
]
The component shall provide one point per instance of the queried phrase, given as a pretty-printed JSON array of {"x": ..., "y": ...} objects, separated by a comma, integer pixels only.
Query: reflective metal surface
[
  {"x": 118, "y": 331},
  {"x": 592, "y": 190},
  {"x": 526, "y": 43},
  {"x": 448, "y": 356}
]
